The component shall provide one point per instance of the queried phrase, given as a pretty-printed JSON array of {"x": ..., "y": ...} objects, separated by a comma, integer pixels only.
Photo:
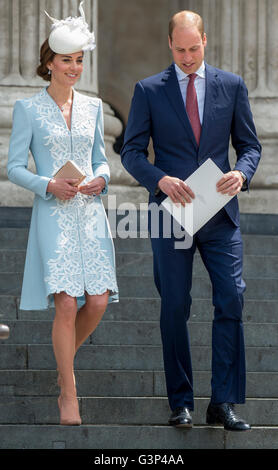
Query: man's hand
[
  {"x": 62, "y": 188},
  {"x": 231, "y": 183},
  {"x": 94, "y": 187},
  {"x": 176, "y": 189}
]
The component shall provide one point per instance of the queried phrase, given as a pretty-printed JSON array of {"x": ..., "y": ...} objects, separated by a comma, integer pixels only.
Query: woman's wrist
[
  {"x": 104, "y": 181},
  {"x": 50, "y": 186}
]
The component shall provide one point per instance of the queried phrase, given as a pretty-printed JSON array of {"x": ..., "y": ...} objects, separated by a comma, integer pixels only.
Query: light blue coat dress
[{"x": 70, "y": 247}]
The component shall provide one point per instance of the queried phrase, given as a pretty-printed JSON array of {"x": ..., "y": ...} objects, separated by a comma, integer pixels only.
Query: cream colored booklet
[
  {"x": 207, "y": 200},
  {"x": 70, "y": 170}
]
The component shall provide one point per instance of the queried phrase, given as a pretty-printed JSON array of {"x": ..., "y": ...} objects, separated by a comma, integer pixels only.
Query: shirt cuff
[{"x": 157, "y": 191}]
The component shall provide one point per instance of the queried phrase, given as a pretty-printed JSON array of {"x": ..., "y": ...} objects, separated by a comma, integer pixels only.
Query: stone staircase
[{"x": 119, "y": 370}]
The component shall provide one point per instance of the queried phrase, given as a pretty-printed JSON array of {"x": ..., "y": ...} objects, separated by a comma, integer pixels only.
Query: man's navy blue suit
[{"x": 158, "y": 112}]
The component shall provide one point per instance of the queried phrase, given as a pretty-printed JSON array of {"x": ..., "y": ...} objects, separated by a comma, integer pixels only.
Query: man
[{"x": 191, "y": 110}]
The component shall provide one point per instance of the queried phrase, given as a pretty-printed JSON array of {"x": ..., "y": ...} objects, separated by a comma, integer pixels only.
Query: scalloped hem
[
  {"x": 49, "y": 300},
  {"x": 113, "y": 296}
]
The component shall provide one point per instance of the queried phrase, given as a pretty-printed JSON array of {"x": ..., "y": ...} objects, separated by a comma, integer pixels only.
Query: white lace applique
[
  {"x": 63, "y": 143},
  {"x": 81, "y": 262}
]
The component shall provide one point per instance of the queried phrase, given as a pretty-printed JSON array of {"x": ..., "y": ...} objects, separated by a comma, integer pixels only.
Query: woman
[{"x": 70, "y": 253}]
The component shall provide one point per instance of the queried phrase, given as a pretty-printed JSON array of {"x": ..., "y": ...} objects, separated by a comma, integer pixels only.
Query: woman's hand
[
  {"x": 94, "y": 187},
  {"x": 63, "y": 188}
]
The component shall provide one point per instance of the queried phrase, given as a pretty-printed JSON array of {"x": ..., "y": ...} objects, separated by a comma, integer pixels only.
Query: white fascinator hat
[{"x": 71, "y": 35}]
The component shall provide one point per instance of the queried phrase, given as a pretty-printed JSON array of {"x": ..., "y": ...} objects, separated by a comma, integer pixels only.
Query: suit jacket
[{"x": 158, "y": 112}]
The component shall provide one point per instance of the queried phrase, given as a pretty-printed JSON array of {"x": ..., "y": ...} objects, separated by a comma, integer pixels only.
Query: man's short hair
[{"x": 186, "y": 18}]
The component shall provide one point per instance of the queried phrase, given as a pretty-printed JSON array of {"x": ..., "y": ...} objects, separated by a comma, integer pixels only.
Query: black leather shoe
[
  {"x": 181, "y": 418},
  {"x": 224, "y": 414}
]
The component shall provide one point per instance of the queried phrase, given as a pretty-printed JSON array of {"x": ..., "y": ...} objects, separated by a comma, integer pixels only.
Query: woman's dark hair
[{"x": 46, "y": 56}]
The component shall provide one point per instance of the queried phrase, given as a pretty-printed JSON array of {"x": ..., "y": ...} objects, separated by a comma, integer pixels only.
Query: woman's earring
[{"x": 49, "y": 72}]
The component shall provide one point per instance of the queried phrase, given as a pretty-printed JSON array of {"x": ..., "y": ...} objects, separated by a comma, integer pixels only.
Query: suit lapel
[
  {"x": 172, "y": 90},
  {"x": 212, "y": 89}
]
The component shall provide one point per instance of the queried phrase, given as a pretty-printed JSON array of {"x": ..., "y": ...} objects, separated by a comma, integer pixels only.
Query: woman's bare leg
[
  {"x": 63, "y": 338},
  {"x": 89, "y": 316}
]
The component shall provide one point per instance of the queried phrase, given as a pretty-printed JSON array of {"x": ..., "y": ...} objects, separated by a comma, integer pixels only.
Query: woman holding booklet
[{"x": 70, "y": 261}]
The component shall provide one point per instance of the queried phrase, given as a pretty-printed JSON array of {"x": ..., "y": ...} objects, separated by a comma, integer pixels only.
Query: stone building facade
[{"x": 132, "y": 44}]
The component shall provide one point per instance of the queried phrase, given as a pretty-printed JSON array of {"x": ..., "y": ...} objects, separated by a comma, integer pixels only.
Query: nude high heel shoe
[{"x": 69, "y": 411}]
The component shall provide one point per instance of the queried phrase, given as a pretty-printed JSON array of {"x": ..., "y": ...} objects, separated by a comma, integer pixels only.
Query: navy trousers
[{"x": 220, "y": 245}]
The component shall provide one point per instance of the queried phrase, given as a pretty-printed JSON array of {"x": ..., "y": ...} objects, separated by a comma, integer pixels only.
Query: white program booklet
[{"x": 207, "y": 200}]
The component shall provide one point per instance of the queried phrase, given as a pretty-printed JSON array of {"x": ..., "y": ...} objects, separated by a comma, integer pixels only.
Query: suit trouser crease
[{"x": 220, "y": 245}]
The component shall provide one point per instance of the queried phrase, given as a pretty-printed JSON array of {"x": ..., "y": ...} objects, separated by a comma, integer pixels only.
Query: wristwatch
[{"x": 243, "y": 175}]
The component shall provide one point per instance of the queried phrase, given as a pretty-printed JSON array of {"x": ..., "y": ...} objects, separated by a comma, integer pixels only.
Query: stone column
[
  {"x": 253, "y": 55},
  {"x": 243, "y": 38},
  {"x": 23, "y": 28}
]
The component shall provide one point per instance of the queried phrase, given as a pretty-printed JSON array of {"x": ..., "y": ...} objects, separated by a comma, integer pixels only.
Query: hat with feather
[{"x": 71, "y": 35}]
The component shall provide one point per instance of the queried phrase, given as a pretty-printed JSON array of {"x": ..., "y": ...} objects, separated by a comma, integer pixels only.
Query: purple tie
[{"x": 192, "y": 107}]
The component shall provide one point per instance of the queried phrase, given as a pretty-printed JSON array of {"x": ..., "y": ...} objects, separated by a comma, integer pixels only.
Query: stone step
[
  {"x": 142, "y": 309},
  {"x": 20, "y": 217},
  {"x": 125, "y": 410},
  {"x": 137, "y": 333},
  {"x": 13, "y": 238},
  {"x": 122, "y": 383},
  {"x": 143, "y": 286},
  {"x": 40, "y": 356},
  {"x": 134, "y": 437},
  {"x": 16, "y": 239},
  {"x": 141, "y": 264}
]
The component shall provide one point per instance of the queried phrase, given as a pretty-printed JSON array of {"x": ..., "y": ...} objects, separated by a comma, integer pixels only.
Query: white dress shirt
[{"x": 200, "y": 86}]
